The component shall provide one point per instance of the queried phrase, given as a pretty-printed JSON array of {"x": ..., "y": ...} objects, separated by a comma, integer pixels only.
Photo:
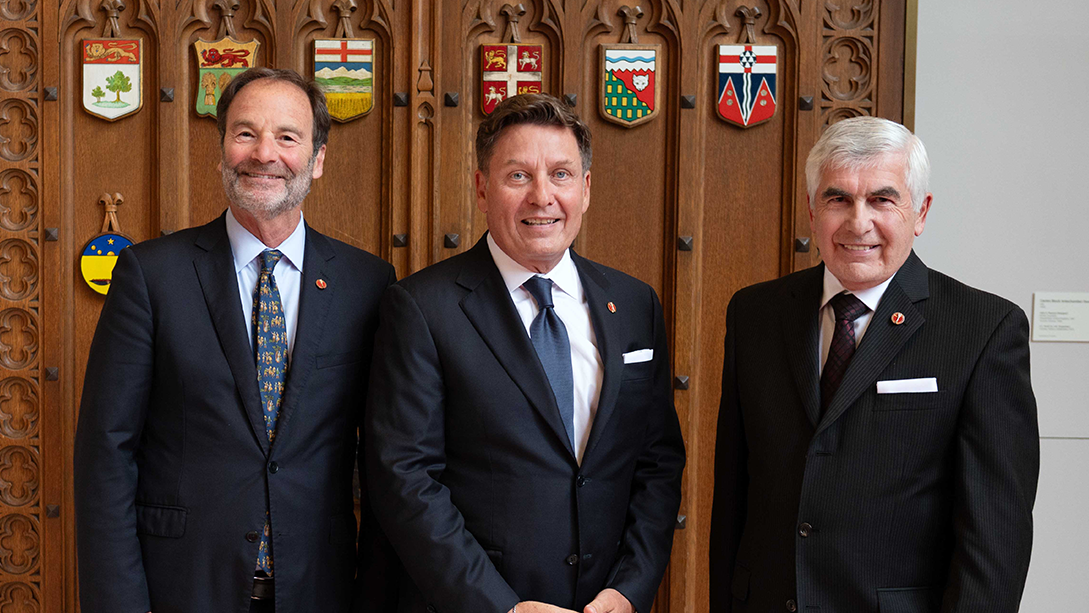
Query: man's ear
[
  {"x": 319, "y": 163},
  {"x": 920, "y": 219},
  {"x": 481, "y": 191}
]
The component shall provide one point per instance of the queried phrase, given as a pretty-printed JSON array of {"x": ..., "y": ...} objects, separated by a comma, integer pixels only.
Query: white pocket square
[
  {"x": 908, "y": 386},
  {"x": 640, "y": 355}
]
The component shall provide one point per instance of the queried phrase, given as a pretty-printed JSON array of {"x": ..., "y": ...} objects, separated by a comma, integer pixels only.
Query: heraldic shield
[
  {"x": 746, "y": 83},
  {"x": 508, "y": 70},
  {"x": 344, "y": 68},
  {"x": 218, "y": 63},
  {"x": 629, "y": 94},
  {"x": 112, "y": 71}
]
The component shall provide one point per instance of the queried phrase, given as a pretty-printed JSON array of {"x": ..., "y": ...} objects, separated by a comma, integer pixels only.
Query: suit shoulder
[
  {"x": 773, "y": 290},
  {"x": 617, "y": 279},
  {"x": 166, "y": 249},
  {"x": 436, "y": 277},
  {"x": 966, "y": 301},
  {"x": 360, "y": 261}
]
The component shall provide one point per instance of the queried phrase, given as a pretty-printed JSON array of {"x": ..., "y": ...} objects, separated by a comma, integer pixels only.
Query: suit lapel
[
  {"x": 313, "y": 310},
  {"x": 489, "y": 307},
  {"x": 609, "y": 334},
  {"x": 219, "y": 283},
  {"x": 883, "y": 339},
  {"x": 801, "y": 333}
]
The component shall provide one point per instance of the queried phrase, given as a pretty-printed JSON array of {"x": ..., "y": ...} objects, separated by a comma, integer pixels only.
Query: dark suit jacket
[
  {"x": 172, "y": 463},
  {"x": 890, "y": 502},
  {"x": 470, "y": 469}
]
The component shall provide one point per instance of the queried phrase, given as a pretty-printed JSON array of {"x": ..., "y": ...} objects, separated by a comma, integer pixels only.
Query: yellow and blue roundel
[{"x": 98, "y": 259}]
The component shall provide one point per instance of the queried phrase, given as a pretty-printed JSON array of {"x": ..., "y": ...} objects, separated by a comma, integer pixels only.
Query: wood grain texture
[{"x": 409, "y": 170}]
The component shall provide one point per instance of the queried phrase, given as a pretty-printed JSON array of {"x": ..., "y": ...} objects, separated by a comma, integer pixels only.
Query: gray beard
[{"x": 298, "y": 186}]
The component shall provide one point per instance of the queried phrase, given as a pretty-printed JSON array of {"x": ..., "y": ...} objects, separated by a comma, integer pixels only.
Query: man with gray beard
[{"x": 226, "y": 381}]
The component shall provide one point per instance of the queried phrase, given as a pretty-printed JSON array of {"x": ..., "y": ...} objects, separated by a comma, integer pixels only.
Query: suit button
[
  {"x": 572, "y": 560},
  {"x": 252, "y": 536},
  {"x": 804, "y": 529},
  {"x": 273, "y": 467},
  {"x": 430, "y": 608},
  {"x": 581, "y": 481},
  {"x": 792, "y": 606}
]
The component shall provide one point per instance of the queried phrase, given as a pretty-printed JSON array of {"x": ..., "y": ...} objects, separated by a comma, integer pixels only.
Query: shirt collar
[
  {"x": 564, "y": 274},
  {"x": 245, "y": 246},
  {"x": 869, "y": 297}
]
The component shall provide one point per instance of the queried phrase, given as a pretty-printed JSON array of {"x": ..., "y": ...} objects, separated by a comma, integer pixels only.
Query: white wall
[{"x": 1002, "y": 100}]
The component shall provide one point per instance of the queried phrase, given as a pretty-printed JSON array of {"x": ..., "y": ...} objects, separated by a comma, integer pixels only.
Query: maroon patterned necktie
[{"x": 847, "y": 309}]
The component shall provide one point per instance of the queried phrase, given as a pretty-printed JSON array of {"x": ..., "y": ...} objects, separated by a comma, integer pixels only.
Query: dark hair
[
  {"x": 535, "y": 109},
  {"x": 310, "y": 88}
]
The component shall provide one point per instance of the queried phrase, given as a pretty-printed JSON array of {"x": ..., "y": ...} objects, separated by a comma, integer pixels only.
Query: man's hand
[
  {"x": 539, "y": 607},
  {"x": 609, "y": 601}
]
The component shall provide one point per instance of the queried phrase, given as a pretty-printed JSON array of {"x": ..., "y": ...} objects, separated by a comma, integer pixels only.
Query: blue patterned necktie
[
  {"x": 549, "y": 337},
  {"x": 270, "y": 345}
]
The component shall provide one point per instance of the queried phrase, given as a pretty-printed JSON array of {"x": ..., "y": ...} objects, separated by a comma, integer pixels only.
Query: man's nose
[
  {"x": 540, "y": 193},
  {"x": 860, "y": 217},
  {"x": 265, "y": 150}
]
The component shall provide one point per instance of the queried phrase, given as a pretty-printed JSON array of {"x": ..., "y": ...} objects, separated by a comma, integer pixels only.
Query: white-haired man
[{"x": 878, "y": 447}]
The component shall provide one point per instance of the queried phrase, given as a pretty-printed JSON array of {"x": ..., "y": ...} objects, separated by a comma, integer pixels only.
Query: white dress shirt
[
  {"x": 288, "y": 273},
  {"x": 571, "y": 306},
  {"x": 869, "y": 297}
]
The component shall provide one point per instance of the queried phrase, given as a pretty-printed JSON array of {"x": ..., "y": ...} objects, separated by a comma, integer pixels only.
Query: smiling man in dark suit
[
  {"x": 878, "y": 447},
  {"x": 523, "y": 452},
  {"x": 224, "y": 389}
]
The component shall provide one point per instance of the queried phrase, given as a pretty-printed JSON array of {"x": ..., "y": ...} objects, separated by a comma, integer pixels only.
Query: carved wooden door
[{"x": 694, "y": 205}]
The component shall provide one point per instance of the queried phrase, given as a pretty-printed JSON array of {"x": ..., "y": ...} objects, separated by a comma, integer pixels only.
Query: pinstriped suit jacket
[{"x": 890, "y": 502}]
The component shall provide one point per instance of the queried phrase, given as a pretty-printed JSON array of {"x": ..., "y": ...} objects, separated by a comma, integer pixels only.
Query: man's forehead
[
  {"x": 890, "y": 167},
  {"x": 290, "y": 105}
]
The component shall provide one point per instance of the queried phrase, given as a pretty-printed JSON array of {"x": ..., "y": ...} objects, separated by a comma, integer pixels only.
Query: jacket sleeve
[
  {"x": 378, "y": 568},
  {"x": 656, "y": 487},
  {"x": 997, "y": 455},
  {"x": 731, "y": 480},
  {"x": 405, "y": 458},
  {"x": 111, "y": 420}
]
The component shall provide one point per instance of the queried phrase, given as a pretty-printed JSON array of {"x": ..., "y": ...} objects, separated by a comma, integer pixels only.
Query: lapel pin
[
  {"x": 321, "y": 284},
  {"x": 898, "y": 318},
  {"x": 612, "y": 307}
]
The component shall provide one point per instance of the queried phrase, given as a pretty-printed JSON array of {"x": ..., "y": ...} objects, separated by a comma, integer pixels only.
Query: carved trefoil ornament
[
  {"x": 747, "y": 77},
  {"x": 344, "y": 68},
  {"x": 218, "y": 62},
  {"x": 112, "y": 77}
]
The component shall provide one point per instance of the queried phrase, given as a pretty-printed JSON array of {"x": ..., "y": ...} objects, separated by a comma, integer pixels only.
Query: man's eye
[
  {"x": 518, "y": 176},
  {"x": 562, "y": 174}
]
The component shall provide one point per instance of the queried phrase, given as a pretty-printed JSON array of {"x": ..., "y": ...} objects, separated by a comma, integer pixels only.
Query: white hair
[{"x": 861, "y": 142}]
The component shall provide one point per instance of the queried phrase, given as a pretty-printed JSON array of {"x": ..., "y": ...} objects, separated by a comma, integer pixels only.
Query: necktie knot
[
  {"x": 541, "y": 290},
  {"x": 848, "y": 307},
  {"x": 269, "y": 258}
]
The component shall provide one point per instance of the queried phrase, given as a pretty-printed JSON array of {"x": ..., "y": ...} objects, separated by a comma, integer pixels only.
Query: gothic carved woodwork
[
  {"x": 21, "y": 476},
  {"x": 848, "y": 49},
  {"x": 399, "y": 182}
]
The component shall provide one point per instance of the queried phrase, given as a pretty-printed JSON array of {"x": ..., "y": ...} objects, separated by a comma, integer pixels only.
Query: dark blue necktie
[
  {"x": 549, "y": 337},
  {"x": 270, "y": 349}
]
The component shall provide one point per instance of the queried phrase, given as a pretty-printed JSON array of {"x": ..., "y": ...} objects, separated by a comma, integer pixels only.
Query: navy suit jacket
[
  {"x": 173, "y": 468},
  {"x": 472, "y": 475}
]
